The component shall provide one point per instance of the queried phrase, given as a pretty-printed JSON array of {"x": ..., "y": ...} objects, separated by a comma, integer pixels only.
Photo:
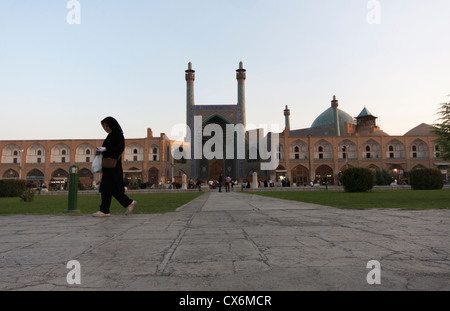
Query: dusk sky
[{"x": 127, "y": 59}]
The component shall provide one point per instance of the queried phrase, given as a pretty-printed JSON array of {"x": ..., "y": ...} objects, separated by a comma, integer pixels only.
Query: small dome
[
  {"x": 420, "y": 130},
  {"x": 326, "y": 119}
]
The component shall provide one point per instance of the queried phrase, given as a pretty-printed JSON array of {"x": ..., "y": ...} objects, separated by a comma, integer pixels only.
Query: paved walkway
[{"x": 230, "y": 241}]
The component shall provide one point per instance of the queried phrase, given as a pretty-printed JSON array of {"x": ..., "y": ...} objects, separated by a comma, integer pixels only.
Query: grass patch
[
  {"x": 402, "y": 199},
  {"x": 153, "y": 203}
]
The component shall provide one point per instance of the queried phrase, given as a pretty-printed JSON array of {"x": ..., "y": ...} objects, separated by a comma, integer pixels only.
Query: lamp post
[
  {"x": 73, "y": 189},
  {"x": 20, "y": 164},
  {"x": 347, "y": 147}
]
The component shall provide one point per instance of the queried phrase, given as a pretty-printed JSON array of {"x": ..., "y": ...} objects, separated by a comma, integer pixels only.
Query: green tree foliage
[
  {"x": 442, "y": 130},
  {"x": 12, "y": 188},
  {"x": 426, "y": 179},
  {"x": 358, "y": 179},
  {"x": 383, "y": 177}
]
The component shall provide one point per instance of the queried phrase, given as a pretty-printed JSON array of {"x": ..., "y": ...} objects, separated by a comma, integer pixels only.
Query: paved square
[{"x": 230, "y": 241}]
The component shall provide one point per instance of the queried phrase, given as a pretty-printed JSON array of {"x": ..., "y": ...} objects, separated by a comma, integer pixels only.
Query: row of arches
[
  {"x": 347, "y": 149},
  {"x": 60, "y": 153},
  {"x": 323, "y": 174},
  {"x": 59, "y": 177}
]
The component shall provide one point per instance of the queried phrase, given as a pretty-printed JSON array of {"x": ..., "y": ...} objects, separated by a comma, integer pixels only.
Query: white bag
[{"x": 97, "y": 164}]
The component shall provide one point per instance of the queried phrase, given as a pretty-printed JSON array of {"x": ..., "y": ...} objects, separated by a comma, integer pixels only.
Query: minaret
[
  {"x": 240, "y": 76},
  {"x": 287, "y": 122},
  {"x": 190, "y": 77},
  {"x": 334, "y": 105}
]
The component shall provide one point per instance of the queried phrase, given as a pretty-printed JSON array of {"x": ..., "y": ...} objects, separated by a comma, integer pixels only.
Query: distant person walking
[
  {"x": 112, "y": 178},
  {"x": 227, "y": 183},
  {"x": 220, "y": 183}
]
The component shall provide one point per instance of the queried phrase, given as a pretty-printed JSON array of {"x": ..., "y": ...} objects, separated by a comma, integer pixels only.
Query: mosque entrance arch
[{"x": 212, "y": 169}]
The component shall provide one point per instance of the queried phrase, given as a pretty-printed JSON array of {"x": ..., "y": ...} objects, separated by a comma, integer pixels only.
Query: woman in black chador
[{"x": 112, "y": 178}]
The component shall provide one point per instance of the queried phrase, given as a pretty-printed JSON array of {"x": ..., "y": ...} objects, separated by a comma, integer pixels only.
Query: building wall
[
  {"x": 405, "y": 156},
  {"x": 138, "y": 160},
  {"x": 46, "y": 156}
]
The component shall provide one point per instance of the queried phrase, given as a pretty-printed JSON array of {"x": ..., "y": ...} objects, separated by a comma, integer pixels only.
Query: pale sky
[{"x": 127, "y": 59}]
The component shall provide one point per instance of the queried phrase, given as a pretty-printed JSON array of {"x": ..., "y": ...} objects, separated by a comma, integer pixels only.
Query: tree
[
  {"x": 426, "y": 179},
  {"x": 383, "y": 177},
  {"x": 358, "y": 179},
  {"x": 442, "y": 130}
]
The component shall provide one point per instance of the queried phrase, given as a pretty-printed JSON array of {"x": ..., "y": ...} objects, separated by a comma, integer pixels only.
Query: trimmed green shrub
[
  {"x": 358, "y": 179},
  {"x": 12, "y": 187},
  {"x": 27, "y": 195},
  {"x": 383, "y": 177},
  {"x": 426, "y": 179}
]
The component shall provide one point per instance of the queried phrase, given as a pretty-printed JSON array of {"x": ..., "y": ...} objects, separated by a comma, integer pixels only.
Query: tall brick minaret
[
  {"x": 287, "y": 123},
  {"x": 190, "y": 77},
  {"x": 337, "y": 127},
  {"x": 241, "y": 76}
]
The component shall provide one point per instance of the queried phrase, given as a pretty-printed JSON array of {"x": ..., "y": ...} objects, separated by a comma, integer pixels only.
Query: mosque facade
[{"x": 318, "y": 154}]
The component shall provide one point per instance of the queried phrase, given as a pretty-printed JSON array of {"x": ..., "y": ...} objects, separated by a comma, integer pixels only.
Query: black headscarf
[{"x": 113, "y": 125}]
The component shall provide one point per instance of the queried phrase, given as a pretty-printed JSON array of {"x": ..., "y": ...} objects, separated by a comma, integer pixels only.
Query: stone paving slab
[{"x": 229, "y": 241}]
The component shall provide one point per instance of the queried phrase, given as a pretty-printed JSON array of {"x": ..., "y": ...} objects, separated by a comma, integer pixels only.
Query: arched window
[
  {"x": 391, "y": 153},
  {"x": 371, "y": 150},
  {"x": 296, "y": 152},
  {"x": 396, "y": 150},
  {"x": 414, "y": 151},
  {"x": 154, "y": 154},
  {"x": 299, "y": 150},
  {"x": 60, "y": 153},
  {"x": 35, "y": 153},
  {"x": 323, "y": 150},
  {"x": 419, "y": 149},
  {"x": 437, "y": 153},
  {"x": 347, "y": 150},
  {"x": 83, "y": 152}
]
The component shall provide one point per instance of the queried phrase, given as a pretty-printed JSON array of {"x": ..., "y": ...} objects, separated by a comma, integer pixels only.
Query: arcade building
[{"x": 334, "y": 142}]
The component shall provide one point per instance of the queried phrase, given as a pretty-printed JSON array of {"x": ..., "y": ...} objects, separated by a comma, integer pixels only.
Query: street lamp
[
  {"x": 345, "y": 149},
  {"x": 20, "y": 164}
]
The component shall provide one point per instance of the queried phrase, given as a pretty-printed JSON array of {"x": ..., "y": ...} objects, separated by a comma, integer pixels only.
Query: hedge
[
  {"x": 383, "y": 177},
  {"x": 426, "y": 179},
  {"x": 12, "y": 187},
  {"x": 358, "y": 179}
]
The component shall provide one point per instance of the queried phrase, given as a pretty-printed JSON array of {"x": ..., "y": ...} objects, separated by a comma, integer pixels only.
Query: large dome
[{"x": 326, "y": 119}]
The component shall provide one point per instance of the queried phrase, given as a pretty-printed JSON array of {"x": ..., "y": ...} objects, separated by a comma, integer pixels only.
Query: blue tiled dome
[{"x": 326, "y": 119}]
